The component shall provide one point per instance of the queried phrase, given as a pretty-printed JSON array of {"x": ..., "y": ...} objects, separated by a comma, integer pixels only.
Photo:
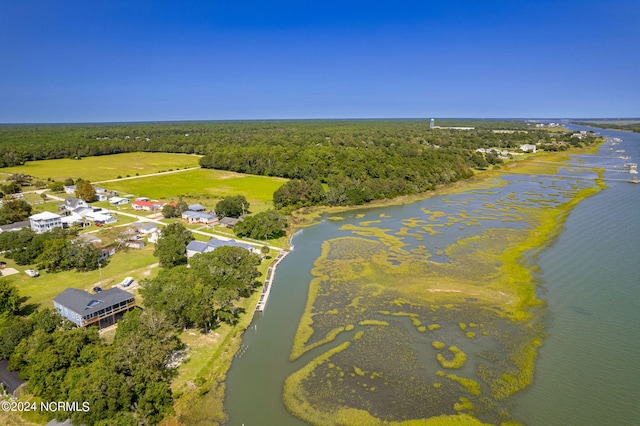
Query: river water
[{"x": 588, "y": 369}]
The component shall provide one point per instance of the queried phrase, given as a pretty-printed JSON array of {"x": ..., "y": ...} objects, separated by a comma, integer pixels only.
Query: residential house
[
  {"x": 106, "y": 253},
  {"x": 198, "y": 247},
  {"x": 197, "y": 207},
  {"x": 147, "y": 205},
  {"x": 16, "y": 226},
  {"x": 102, "y": 309},
  {"x": 527, "y": 147},
  {"x": 72, "y": 203},
  {"x": 145, "y": 228},
  {"x": 230, "y": 222},
  {"x": 45, "y": 221},
  {"x": 199, "y": 217},
  {"x": 118, "y": 201}
]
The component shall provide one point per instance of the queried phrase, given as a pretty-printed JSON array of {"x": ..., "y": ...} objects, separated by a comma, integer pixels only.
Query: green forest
[{"x": 342, "y": 162}]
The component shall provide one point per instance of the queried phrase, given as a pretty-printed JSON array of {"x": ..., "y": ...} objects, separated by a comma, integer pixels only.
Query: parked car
[
  {"x": 97, "y": 289},
  {"x": 126, "y": 282},
  {"x": 32, "y": 273}
]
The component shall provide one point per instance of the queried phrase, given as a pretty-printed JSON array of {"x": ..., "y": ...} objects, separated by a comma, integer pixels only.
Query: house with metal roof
[
  {"x": 198, "y": 217},
  {"x": 197, "y": 207},
  {"x": 102, "y": 309},
  {"x": 197, "y": 247}
]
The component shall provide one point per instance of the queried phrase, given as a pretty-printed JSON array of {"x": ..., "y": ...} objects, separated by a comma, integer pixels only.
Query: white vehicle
[
  {"x": 126, "y": 282},
  {"x": 32, "y": 273}
]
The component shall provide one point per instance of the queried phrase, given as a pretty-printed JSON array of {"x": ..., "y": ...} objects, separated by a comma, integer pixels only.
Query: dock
[{"x": 271, "y": 273}]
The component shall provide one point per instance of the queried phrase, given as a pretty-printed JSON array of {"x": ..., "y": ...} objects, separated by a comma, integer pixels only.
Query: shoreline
[{"x": 309, "y": 216}]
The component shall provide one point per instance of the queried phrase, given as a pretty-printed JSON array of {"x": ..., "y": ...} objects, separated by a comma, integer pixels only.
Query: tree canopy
[
  {"x": 262, "y": 226},
  {"x": 171, "y": 246},
  {"x": 234, "y": 206}
]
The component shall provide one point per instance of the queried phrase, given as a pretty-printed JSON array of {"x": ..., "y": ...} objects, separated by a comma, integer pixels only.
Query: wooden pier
[{"x": 271, "y": 273}]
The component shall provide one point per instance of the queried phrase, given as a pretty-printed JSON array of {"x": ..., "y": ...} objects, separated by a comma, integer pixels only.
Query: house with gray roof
[
  {"x": 16, "y": 226},
  {"x": 198, "y": 247},
  {"x": 199, "y": 217},
  {"x": 197, "y": 207},
  {"x": 102, "y": 309}
]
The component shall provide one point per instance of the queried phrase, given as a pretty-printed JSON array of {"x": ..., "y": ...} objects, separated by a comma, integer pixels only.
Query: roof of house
[
  {"x": 197, "y": 207},
  {"x": 14, "y": 226},
  {"x": 84, "y": 303},
  {"x": 147, "y": 203},
  {"x": 44, "y": 216},
  {"x": 214, "y": 243},
  {"x": 9, "y": 378},
  {"x": 73, "y": 202},
  {"x": 230, "y": 221},
  {"x": 197, "y": 215}
]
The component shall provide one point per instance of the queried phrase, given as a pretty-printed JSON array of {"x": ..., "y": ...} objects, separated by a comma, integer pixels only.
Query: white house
[
  {"x": 45, "y": 221},
  {"x": 198, "y": 217},
  {"x": 118, "y": 201},
  {"x": 527, "y": 147}
]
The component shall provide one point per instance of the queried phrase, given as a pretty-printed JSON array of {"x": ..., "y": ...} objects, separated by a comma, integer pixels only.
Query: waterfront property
[
  {"x": 102, "y": 309},
  {"x": 198, "y": 247}
]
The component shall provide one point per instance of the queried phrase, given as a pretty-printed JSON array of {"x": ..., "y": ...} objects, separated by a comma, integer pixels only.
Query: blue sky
[{"x": 97, "y": 61}]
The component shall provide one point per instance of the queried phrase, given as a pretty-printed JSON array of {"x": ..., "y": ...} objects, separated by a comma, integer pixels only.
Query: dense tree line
[
  {"x": 126, "y": 383},
  {"x": 204, "y": 294},
  {"x": 54, "y": 251},
  {"x": 629, "y": 127},
  {"x": 355, "y": 161}
]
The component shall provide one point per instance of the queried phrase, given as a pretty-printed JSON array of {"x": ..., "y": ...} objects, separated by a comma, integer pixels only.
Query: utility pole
[{"x": 100, "y": 271}]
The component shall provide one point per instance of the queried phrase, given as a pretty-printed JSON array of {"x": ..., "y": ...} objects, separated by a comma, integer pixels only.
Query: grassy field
[
  {"x": 105, "y": 167},
  {"x": 204, "y": 186},
  {"x": 41, "y": 290}
]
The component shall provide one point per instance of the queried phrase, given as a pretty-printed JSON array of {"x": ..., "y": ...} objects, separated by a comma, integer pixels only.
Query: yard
[
  {"x": 106, "y": 166},
  {"x": 205, "y": 186},
  {"x": 41, "y": 290}
]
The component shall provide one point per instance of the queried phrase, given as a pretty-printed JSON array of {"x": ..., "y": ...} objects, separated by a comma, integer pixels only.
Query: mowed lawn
[
  {"x": 41, "y": 290},
  {"x": 106, "y": 166},
  {"x": 202, "y": 185}
]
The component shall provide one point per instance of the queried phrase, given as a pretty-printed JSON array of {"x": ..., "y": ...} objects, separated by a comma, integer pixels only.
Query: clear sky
[{"x": 112, "y": 60}]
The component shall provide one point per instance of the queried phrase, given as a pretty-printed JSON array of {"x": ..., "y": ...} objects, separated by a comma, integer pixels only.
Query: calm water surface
[{"x": 588, "y": 371}]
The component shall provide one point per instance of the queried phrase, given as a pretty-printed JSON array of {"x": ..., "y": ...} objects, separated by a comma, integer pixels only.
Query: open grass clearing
[
  {"x": 41, "y": 290},
  {"x": 204, "y": 186},
  {"x": 106, "y": 166}
]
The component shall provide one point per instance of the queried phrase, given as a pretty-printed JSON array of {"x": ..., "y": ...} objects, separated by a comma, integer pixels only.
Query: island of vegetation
[{"x": 165, "y": 362}]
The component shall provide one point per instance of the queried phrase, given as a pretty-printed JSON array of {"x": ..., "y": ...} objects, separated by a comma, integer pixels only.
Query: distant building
[
  {"x": 102, "y": 309},
  {"x": 527, "y": 147},
  {"x": 45, "y": 221},
  {"x": 432, "y": 124},
  {"x": 197, "y": 208}
]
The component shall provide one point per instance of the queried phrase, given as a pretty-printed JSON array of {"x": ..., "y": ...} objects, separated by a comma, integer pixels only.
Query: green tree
[
  {"x": 14, "y": 211},
  {"x": 9, "y": 297},
  {"x": 85, "y": 191},
  {"x": 20, "y": 179},
  {"x": 171, "y": 246},
  {"x": 11, "y": 188},
  {"x": 169, "y": 211},
  {"x": 235, "y": 206},
  {"x": 262, "y": 226},
  {"x": 68, "y": 182},
  {"x": 56, "y": 187},
  {"x": 298, "y": 193},
  {"x": 181, "y": 207}
]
